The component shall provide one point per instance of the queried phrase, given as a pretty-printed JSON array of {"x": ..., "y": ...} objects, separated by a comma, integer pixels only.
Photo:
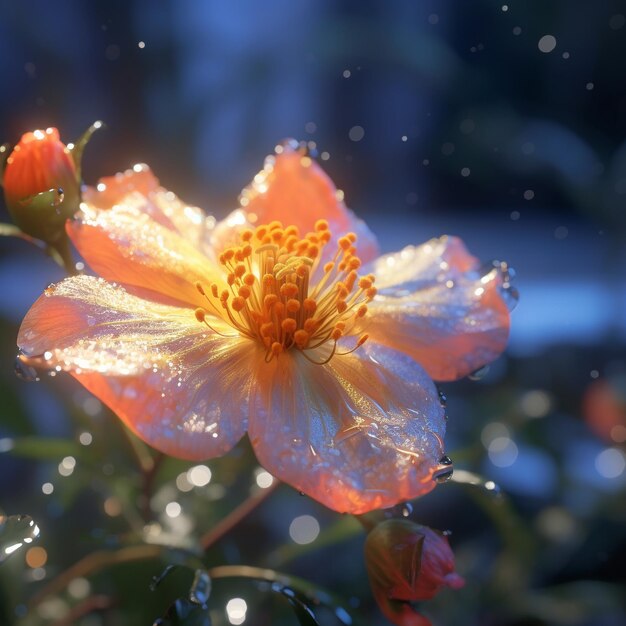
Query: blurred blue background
[{"x": 501, "y": 122}]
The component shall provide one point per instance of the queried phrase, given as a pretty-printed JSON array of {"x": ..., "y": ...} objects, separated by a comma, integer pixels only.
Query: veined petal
[
  {"x": 434, "y": 305},
  {"x": 181, "y": 387},
  {"x": 123, "y": 244},
  {"x": 139, "y": 187},
  {"x": 293, "y": 189},
  {"x": 362, "y": 432}
]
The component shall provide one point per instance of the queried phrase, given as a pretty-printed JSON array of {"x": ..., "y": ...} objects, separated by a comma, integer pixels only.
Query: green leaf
[
  {"x": 45, "y": 448},
  {"x": 302, "y": 611},
  {"x": 304, "y": 591},
  {"x": 183, "y": 612},
  {"x": 10, "y": 230},
  {"x": 79, "y": 146}
]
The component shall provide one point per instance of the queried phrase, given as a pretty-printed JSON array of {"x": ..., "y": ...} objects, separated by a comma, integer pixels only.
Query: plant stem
[
  {"x": 93, "y": 563},
  {"x": 64, "y": 254},
  {"x": 224, "y": 526},
  {"x": 148, "y": 475},
  {"x": 87, "y": 606}
]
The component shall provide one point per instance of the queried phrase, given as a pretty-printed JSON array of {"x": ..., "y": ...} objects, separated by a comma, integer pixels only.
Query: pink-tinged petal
[
  {"x": 362, "y": 432},
  {"x": 182, "y": 388},
  {"x": 434, "y": 305},
  {"x": 125, "y": 245},
  {"x": 293, "y": 189},
  {"x": 139, "y": 187},
  {"x": 110, "y": 190}
]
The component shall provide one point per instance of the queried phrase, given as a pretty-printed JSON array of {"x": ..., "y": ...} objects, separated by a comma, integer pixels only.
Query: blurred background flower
[{"x": 501, "y": 122}]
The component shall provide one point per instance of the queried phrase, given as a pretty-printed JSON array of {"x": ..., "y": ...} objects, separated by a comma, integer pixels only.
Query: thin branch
[
  {"x": 94, "y": 562},
  {"x": 87, "y": 606},
  {"x": 225, "y": 525}
]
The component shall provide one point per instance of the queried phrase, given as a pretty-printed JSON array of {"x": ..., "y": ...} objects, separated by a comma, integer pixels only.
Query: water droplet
[
  {"x": 463, "y": 477},
  {"x": 479, "y": 374},
  {"x": 404, "y": 509},
  {"x": 23, "y": 371},
  {"x": 343, "y": 616},
  {"x": 200, "y": 588},
  {"x": 16, "y": 531},
  {"x": 444, "y": 471},
  {"x": 443, "y": 399}
]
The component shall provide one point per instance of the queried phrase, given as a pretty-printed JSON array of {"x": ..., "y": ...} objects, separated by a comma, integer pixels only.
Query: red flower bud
[
  {"x": 41, "y": 162},
  {"x": 407, "y": 562},
  {"x": 604, "y": 408}
]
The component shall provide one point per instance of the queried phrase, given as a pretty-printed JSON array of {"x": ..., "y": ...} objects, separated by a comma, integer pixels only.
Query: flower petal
[
  {"x": 140, "y": 188},
  {"x": 182, "y": 388},
  {"x": 125, "y": 245},
  {"x": 362, "y": 432},
  {"x": 434, "y": 305},
  {"x": 293, "y": 189}
]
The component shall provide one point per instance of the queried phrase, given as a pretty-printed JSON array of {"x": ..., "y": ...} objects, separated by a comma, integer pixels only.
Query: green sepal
[
  {"x": 79, "y": 146},
  {"x": 44, "y": 200},
  {"x": 5, "y": 150}
]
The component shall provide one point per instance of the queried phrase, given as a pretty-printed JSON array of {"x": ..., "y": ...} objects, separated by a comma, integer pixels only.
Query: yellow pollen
[{"x": 286, "y": 291}]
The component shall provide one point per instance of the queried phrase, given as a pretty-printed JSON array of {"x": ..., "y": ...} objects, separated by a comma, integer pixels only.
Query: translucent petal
[
  {"x": 362, "y": 432},
  {"x": 182, "y": 388},
  {"x": 124, "y": 244},
  {"x": 140, "y": 188},
  {"x": 434, "y": 305},
  {"x": 293, "y": 189}
]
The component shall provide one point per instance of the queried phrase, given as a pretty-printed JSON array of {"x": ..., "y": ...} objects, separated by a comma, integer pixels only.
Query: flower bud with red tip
[
  {"x": 41, "y": 185},
  {"x": 407, "y": 562}
]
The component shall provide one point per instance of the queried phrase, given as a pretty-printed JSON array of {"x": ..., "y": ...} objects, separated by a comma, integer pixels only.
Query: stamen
[{"x": 281, "y": 295}]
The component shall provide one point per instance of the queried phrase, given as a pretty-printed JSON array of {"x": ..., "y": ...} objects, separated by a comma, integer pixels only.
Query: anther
[
  {"x": 270, "y": 300},
  {"x": 200, "y": 314},
  {"x": 289, "y": 325},
  {"x": 344, "y": 243},
  {"x": 289, "y": 290},
  {"x": 321, "y": 225},
  {"x": 293, "y": 305},
  {"x": 266, "y": 329},
  {"x": 200, "y": 288},
  {"x": 277, "y": 348},
  {"x": 311, "y": 325},
  {"x": 301, "y": 338},
  {"x": 244, "y": 292},
  {"x": 309, "y": 305},
  {"x": 238, "y": 303}
]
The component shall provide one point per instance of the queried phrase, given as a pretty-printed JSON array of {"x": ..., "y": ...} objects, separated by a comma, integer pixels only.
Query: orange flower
[
  {"x": 278, "y": 321},
  {"x": 406, "y": 563},
  {"x": 41, "y": 162}
]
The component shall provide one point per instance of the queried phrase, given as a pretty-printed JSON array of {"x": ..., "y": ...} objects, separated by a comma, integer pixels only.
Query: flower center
[{"x": 279, "y": 295}]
